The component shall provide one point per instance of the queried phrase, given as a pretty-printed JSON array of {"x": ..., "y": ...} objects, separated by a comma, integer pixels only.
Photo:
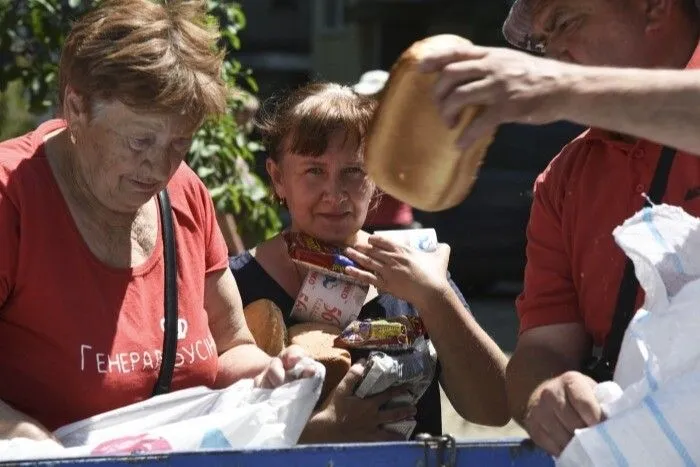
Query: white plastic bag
[
  {"x": 238, "y": 417},
  {"x": 654, "y": 419}
]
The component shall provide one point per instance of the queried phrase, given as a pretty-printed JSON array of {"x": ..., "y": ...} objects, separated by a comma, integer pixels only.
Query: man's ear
[
  {"x": 657, "y": 12},
  {"x": 275, "y": 172}
]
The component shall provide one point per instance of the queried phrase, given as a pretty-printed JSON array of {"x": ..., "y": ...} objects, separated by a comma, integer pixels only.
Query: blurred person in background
[
  {"x": 386, "y": 213},
  {"x": 629, "y": 69}
]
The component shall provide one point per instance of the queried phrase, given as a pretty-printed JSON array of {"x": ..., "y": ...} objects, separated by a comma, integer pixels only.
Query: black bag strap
[
  {"x": 629, "y": 286},
  {"x": 167, "y": 365}
]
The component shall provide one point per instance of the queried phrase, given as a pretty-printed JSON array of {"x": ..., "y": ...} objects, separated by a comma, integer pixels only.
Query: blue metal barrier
[{"x": 431, "y": 452}]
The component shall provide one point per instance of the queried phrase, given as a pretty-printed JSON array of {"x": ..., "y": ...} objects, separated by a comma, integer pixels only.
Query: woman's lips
[
  {"x": 335, "y": 216},
  {"x": 144, "y": 186}
]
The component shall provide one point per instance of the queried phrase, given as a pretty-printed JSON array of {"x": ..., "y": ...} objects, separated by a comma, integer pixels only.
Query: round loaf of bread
[
  {"x": 317, "y": 339},
  {"x": 266, "y": 323},
  {"x": 410, "y": 152}
]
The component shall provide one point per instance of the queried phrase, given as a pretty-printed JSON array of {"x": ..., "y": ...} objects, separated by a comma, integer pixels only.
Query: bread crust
[
  {"x": 317, "y": 339},
  {"x": 410, "y": 153},
  {"x": 266, "y": 324}
]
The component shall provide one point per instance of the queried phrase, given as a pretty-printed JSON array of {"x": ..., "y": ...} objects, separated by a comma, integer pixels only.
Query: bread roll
[
  {"x": 410, "y": 153},
  {"x": 317, "y": 339},
  {"x": 266, "y": 323}
]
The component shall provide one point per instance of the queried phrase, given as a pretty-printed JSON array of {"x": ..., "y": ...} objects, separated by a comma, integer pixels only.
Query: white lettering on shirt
[{"x": 135, "y": 361}]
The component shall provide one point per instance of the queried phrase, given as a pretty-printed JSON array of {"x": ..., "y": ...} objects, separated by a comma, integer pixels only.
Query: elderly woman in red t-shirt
[{"x": 81, "y": 255}]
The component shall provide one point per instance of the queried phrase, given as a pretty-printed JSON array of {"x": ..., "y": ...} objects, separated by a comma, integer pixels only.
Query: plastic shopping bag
[
  {"x": 238, "y": 417},
  {"x": 653, "y": 418}
]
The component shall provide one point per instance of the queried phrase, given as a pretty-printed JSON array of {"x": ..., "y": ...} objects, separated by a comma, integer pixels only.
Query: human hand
[
  {"x": 406, "y": 273},
  {"x": 510, "y": 86},
  {"x": 558, "y": 407},
  {"x": 281, "y": 369},
  {"x": 345, "y": 417}
]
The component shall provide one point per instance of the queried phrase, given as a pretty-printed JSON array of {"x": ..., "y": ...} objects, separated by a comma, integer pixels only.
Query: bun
[
  {"x": 317, "y": 339},
  {"x": 266, "y": 323},
  {"x": 410, "y": 152}
]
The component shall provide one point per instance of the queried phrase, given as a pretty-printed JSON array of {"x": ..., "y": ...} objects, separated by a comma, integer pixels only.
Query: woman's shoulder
[
  {"x": 190, "y": 198},
  {"x": 239, "y": 262},
  {"x": 185, "y": 181},
  {"x": 255, "y": 281},
  {"x": 253, "y": 261},
  {"x": 250, "y": 277},
  {"x": 20, "y": 156}
]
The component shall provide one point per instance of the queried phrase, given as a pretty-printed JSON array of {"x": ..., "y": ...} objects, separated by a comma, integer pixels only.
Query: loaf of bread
[
  {"x": 266, "y": 323},
  {"x": 411, "y": 153},
  {"x": 317, "y": 339}
]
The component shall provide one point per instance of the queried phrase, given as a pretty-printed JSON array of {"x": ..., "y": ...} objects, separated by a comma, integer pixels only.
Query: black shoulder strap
[
  {"x": 629, "y": 286},
  {"x": 167, "y": 365}
]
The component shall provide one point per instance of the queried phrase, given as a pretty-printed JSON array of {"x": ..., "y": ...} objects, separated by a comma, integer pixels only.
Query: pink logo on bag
[{"x": 132, "y": 445}]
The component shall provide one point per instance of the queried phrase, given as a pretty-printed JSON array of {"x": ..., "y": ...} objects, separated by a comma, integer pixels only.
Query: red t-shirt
[
  {"x": 78, "y": 337},
  {"x": 574, "y": 266}
]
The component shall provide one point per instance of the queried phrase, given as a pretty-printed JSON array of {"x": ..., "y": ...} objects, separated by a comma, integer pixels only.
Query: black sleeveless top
[{"x": 254, "y": 283}]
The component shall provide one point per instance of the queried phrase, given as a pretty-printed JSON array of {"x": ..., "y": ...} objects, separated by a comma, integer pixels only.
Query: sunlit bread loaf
[{"x": 410, "y": 152}]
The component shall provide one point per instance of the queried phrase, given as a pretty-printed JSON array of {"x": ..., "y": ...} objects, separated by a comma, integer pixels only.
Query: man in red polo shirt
[{"x": 613, "y": 68}]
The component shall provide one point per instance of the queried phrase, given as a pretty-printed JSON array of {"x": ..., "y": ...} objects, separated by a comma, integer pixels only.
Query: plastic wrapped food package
[{"x": 415, "y": 369}]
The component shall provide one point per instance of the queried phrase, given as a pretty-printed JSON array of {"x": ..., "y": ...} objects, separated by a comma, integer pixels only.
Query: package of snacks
[
  {"x": 391, "y": 334},
  {"x": 414, "y": 369},
  {"x": 329, "y": 300},
  {"x": 317, "y": 255}
]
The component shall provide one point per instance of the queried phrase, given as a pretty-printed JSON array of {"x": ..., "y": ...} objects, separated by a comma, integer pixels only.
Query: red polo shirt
[{"x": 574, "y": 266}]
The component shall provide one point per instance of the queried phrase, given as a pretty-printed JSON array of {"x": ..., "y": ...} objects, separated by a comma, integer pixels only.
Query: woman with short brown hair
[
  {"x": 81, "y": 264},
  {"x": 315, "y": 138}
]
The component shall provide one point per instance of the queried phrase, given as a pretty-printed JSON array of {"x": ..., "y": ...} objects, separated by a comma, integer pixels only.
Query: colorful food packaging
[
  {"x": 415, "y": 369},
  {"x": 329, "y": 300},
  {"x": 317, "y": 255},
  {"x": 395, "y": 334},
  {"x": 418, "y": 239}
]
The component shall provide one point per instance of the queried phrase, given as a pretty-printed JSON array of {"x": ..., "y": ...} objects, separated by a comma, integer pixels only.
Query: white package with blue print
[
  {"x": 653, "y": 418},
  {"x": 240, "y": 416}
]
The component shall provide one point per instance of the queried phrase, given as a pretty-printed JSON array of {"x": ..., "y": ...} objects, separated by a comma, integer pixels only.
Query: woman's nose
[
  {"x": 336, "y": 189},
  {"x": 158, "y": 162}
]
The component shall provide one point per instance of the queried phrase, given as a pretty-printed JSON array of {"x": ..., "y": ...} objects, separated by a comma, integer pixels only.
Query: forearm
[
  {"x": 240, "y": 362},
  {"x": 14, "y": 424},
  {"x": 659, "y": 105},
  {"x": 527, "y": 369},
  {"x": 473, "y": 366}
]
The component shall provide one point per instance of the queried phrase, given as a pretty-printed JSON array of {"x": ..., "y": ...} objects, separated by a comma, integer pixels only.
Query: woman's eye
[
  {"x": 182, "y": 145},
  {"x": 139, "y": 144},
  {"x": 314, "y": 171},
  {"x": 355, "y": 171}
]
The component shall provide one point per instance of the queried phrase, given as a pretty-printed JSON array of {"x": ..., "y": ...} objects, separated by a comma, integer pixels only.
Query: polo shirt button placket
[{"x": 640, "y": 188}]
